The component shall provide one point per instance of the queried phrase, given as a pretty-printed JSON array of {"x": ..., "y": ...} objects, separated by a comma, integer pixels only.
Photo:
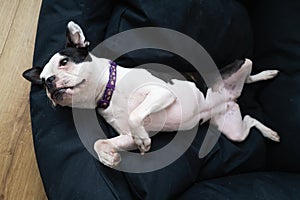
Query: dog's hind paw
[
  {"x": 272, "y": 135},
  {"x": 269, "y": 74}
]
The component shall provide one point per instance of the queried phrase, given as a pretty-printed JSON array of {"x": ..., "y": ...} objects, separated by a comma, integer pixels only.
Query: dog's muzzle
[
  {"x": 49, "y": 83},
  {"x": 57, "y": 93}
]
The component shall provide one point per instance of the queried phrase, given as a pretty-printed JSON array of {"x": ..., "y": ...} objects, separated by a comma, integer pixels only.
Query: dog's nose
[
  {"x": 49, "y": 82},
  {"x": 50, "y": 79}
]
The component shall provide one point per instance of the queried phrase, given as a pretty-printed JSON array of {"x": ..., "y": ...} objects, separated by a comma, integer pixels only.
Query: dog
[{"x": 135, "y": 102}]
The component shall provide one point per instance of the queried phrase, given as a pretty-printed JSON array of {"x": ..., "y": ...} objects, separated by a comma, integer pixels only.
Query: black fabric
[
  {"x": 277, "y": 41},
  {"x": 207, "y": 22},
  {"x": 223, "y": 28},
  {"x": 267, "y": 185}
]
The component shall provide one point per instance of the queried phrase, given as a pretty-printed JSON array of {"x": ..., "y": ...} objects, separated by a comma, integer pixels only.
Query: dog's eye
[{"x": 64, "y": 61}]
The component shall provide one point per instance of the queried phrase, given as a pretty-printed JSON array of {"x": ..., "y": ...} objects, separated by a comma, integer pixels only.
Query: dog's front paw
[
  {"x": 144, "y": 144},
  {"x": 107, "y": 153}
]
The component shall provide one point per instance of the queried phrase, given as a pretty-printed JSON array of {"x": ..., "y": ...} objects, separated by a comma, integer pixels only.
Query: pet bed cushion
[{"x": 68, "y": 170}]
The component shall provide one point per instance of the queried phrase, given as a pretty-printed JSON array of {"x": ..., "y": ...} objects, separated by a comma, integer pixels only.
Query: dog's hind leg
[
  {"x": 231, "y": 124},
  {"x": 262, "y": 76},
  {"x": 233, "y": 82},
  {"x": 156, "y": 100}
]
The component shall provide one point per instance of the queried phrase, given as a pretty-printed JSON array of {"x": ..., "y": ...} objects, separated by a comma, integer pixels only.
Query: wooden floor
[{"x": 19, "y": 176}]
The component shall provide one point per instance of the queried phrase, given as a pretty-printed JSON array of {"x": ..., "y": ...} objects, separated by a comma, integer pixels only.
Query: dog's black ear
[
  {"x": 33, "y": 75},
  {"x": 75, "y": 36}
]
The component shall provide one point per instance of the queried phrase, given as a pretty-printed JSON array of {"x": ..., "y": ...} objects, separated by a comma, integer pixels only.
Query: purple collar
[{"x": 110, "y": 87}]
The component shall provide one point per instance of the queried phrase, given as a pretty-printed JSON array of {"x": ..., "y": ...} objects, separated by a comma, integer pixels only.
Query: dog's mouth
[{"x": 58, "y": 92}]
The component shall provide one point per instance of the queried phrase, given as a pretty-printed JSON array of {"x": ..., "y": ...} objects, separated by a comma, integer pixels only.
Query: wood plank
[
  {"x": 23, "y": 180},
  {"x": 7, "y": 13},
  {"x": 19, "y": 177}
]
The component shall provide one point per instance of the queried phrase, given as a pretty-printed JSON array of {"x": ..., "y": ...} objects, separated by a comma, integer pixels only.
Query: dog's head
[{"x": 65, "y": 74}]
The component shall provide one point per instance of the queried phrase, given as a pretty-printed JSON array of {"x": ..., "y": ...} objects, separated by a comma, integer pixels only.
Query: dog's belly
[
  {"x": 183, "y": 114},
  {"x": 189, "y": 108},
  {"x": 173, "y": 118}
]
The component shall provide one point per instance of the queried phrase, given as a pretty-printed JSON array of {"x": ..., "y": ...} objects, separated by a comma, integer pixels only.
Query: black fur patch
[
  {"x": 230, "y": 69},
  {"x": 33, "y": 75},
  {"x": 76, "y": 55},
  {"x": 185, "y": 76}
]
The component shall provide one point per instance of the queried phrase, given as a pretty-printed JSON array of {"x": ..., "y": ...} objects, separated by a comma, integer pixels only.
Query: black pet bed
[{"x": 266, "y": 31}]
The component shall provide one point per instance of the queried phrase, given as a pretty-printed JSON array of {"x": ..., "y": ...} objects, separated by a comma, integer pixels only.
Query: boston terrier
[{"x": 135, "y": 102}]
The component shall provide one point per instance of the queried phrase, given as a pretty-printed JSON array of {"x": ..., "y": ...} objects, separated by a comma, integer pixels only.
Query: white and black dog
[{"x": 134, "y": 106}]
